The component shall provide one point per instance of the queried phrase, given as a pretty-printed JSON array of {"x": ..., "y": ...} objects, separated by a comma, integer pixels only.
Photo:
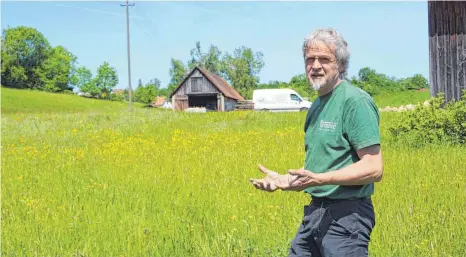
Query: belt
[{"x": 331, "y": 200}]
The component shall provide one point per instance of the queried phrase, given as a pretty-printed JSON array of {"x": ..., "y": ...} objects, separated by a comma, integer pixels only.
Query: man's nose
[{"x": 316, "y": 64}]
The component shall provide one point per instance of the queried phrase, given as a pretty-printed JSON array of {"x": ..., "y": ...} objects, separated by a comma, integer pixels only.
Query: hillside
[
  {"x": 29, "y": 101},
  {"x": 394, "y": 99}
]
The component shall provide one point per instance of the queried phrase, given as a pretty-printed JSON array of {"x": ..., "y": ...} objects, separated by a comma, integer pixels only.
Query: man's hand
[
  {"x": 303, "y": 179},
  {"x": 272, "y": 181},
  {"x": 295, "y": 180}
]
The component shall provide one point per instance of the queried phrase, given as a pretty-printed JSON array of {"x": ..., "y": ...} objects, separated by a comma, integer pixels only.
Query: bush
[
  {"x": 116, "y": 97},
  {"x": 375, "y": 83},
  {"x": 435, "y": 122}
]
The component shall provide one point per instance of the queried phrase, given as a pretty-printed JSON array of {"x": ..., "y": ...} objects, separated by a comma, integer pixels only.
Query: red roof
[
  {"x": 160, "y": 100},
  {"x": 217, "y": 81}
]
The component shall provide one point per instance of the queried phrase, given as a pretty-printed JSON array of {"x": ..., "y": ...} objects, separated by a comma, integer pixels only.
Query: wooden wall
[
  {"x": 230, "y": 104},
  {"x": 196, "y": 84},
  {"x": 447, "y": 48}
]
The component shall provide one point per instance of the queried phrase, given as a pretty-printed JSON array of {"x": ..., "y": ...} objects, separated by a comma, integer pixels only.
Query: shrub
[
  {"x": 436, "y": 122},
  {"x": 116, "y": 97}
]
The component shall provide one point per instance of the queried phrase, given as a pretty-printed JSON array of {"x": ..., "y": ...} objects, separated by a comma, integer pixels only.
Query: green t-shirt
[{"x": 338, "y": 124}]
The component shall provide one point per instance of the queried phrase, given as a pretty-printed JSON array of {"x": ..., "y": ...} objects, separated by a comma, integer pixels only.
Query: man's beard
[{"x": 316, "y": 85}]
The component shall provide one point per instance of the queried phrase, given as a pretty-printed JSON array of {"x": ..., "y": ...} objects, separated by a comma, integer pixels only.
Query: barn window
[{"x": 196, "y": 84}]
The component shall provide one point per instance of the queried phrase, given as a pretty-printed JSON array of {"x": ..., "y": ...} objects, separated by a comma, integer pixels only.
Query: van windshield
[{"x": 295, "y": 98}]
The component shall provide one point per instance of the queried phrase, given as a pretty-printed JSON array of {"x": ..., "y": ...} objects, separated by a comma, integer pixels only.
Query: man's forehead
[{"x": 318, "y": 48}]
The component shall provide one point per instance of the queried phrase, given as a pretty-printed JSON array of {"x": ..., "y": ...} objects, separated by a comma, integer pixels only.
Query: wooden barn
[
  {"x": 201, "y": 88},
  {"x": 447, "y": 48}
]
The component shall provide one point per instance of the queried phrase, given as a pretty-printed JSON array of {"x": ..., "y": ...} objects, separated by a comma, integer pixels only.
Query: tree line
[
  {"x": 29, "y": 61},
  {"x": 241, "y": 69}
]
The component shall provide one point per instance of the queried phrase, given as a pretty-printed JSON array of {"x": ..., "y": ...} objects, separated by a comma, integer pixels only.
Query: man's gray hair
[{"x": 335, "y": 42}]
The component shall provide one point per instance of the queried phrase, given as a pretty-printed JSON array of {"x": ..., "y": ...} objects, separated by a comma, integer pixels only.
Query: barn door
[{"x": 181, "y": 102}]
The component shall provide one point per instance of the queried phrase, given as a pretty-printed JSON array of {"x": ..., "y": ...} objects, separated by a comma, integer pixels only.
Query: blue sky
[{"x": 391, "y": 37}]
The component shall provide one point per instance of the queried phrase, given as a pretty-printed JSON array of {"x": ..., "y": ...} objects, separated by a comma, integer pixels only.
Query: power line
[
  {"x": 129, "y": 55},
  {"x": 145, "y": 24},
  {"x": 89, "y": 9}
]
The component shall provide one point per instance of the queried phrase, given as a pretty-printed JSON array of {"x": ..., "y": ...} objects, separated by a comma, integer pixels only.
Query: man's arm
[{"x": 367, "y": 170}]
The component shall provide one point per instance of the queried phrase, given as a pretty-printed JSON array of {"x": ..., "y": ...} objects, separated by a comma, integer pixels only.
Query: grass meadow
[
  {"x": 16, "y": 101},
  {"x": 397, "y": 99},
  {"x": 100, "y": 181}
]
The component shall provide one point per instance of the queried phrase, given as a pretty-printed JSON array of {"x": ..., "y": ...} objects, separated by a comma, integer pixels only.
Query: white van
[{"x": 282, "y": 99}]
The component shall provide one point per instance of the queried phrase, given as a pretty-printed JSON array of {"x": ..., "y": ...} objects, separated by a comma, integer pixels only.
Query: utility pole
[{"x": 129, "y": 55}]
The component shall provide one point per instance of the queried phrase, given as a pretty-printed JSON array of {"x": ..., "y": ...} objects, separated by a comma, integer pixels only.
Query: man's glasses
[{"x": 322, "y": 60}]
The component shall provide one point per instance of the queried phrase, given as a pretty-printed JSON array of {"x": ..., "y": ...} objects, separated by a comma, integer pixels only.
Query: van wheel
[{"x": 303, "y": 109}]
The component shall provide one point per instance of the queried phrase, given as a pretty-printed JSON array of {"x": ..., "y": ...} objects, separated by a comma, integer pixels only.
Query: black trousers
[{"x": 334, "y": 228}]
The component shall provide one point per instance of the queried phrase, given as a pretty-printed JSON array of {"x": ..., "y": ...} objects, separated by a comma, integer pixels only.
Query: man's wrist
[{"x": 324, "y": 178}]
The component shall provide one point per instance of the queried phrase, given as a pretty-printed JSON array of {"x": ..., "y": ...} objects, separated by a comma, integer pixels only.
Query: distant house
[
  {"x": 167, "y": 105},
  {"x": 118, "y": 91},
  {"x": 201, "y": 88},
  {"x": 161, "y": 102}
]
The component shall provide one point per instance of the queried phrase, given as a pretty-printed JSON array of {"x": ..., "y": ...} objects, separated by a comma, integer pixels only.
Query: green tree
[
  {"x": 24, "y": 49},
  {"x": 417, "y": 82},
  {"x": 152, "y": 90},
  {"x": 375, "y": 83},
  {"x": 137, "y": 93},
  {"x": 270, "y": 84},
  {"x": 242, "y": 69},
  {"x": 155, "y": 82},
  {"x": 211, "y": 61},
  {"x": 82, "y": 79},
  {"x": 163, "y": 92},
  {"x": 147, "y": 93},
  {"x": 106, "y": 79},
  {"x": 55, "y": 72},
  {"x": 177, "y": 73},
  {"x": 196, "y": 57}
]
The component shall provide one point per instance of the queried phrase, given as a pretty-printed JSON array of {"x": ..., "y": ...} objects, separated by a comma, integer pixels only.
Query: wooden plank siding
[
  {"x": 230, "y": 104},
  {"x": 197, "y": 84},
  {"x": 447, "y": 48}
]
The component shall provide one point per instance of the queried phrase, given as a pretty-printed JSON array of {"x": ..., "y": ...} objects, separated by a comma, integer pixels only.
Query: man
[{"x": 343, "y": 157}]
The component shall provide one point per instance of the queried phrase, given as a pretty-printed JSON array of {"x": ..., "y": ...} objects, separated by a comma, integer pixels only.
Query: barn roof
[{"x": 217, "y": 81}]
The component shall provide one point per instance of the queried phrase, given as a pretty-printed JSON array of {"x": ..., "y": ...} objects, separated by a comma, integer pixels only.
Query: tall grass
[
  {"x": 396, "y": 99},
  {"x": 33, "y": 101},
  {"x": 151, "y": 183}
]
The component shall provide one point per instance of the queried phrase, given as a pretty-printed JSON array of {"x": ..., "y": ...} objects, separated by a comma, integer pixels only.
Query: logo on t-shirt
[{"x": 327, "y": 125}]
